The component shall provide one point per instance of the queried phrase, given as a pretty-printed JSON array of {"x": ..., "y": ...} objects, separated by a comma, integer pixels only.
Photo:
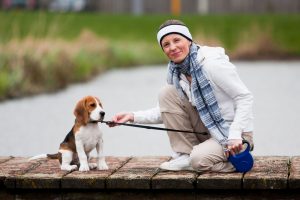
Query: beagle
[{"x": 82, "y": 139}]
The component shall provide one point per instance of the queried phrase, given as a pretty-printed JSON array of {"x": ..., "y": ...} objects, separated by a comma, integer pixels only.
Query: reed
[{"x": 34, "y": 65}]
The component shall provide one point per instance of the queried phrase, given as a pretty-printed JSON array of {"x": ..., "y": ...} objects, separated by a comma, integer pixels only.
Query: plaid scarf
[{"x": 204, "y": 98}]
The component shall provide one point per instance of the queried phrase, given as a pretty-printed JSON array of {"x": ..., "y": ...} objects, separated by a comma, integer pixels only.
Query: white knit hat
[{"x": 174, "y": 28}]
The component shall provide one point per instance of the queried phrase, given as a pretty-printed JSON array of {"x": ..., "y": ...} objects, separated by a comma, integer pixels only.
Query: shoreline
[{"x": 107, "y": 69}]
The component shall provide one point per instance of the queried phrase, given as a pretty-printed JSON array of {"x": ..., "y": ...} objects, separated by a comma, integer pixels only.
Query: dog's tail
[
  {"x": 51, "y": 156},
  {"x": 38, "y": 157}
]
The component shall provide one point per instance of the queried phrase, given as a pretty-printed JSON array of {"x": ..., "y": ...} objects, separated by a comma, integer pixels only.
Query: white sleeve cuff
[
  {"x": 150, "y": 116},
  {"x": 235, "y": 133}
]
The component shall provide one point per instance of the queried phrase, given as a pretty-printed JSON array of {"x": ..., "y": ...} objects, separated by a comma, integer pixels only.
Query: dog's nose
[{"x": 102, "y": 114}]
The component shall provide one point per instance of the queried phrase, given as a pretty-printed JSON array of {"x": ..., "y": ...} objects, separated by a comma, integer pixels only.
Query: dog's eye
[{"x": 93, "y": 105}]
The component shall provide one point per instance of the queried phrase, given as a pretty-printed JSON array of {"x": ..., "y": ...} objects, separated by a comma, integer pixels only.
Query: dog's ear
[
  {"x": 99, "y": 102},
  {"x": 81, "y": 113}
]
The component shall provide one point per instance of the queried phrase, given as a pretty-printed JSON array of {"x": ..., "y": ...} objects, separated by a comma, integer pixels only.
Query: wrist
[
  {"x": 131, "y": 117},
  {"x": 232, "y": 142}
]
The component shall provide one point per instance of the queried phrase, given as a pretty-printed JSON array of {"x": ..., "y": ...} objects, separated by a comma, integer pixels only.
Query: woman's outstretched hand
[
  {"x": 234, "y": 146},
  {"x": 122, "y": 117}
]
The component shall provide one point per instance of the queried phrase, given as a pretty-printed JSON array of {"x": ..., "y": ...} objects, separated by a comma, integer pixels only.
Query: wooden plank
[
  {"x": 143, "y": 173},
  {"x": 14, "y": 168},
  {"x": 46, "y": 176},
  {"x": 220, "y": 180},
  {"x": 94, "y": 179},
  {"x": 174, "y": 180},
  {"x": 136, "y": 174},
  {"x": 5, "y": 158},
  {"x": 294, "y": 179},
  {"x": 267, "y": 173}
]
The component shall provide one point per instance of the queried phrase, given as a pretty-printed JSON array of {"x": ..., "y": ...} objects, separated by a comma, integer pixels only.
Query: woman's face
[{"x": 176, "y": 47}]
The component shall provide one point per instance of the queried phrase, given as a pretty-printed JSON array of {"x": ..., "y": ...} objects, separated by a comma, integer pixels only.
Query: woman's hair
[{"x": 171, "y": 22}]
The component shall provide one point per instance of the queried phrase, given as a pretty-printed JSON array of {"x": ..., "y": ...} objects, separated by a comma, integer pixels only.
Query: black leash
[{"x": 151, "y": 127}]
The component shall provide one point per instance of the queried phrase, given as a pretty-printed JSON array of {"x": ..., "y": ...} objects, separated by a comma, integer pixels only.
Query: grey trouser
[{"x": 205, "y": 152}]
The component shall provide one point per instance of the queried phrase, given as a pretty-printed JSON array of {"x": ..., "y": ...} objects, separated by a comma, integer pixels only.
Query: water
[{"x": 35, "y": 125}]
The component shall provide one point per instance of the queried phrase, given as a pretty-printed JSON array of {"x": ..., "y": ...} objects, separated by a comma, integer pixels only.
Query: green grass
[
  {"x": 284, "y": 29},
  {"x": 42, "y": 51}
]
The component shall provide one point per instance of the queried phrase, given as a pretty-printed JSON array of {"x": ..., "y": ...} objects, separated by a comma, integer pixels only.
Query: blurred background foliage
[{"x": 44, "y": 51}]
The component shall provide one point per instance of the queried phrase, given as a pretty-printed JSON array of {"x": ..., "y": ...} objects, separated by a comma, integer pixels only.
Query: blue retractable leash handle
[{"x": 243, "y": 162}]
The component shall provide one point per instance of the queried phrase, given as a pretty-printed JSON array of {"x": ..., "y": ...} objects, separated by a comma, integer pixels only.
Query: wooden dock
[{"x": 276, "y": 177}]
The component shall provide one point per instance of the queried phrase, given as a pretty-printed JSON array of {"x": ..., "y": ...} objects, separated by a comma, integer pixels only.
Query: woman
[{"x": 204, "y": 94}]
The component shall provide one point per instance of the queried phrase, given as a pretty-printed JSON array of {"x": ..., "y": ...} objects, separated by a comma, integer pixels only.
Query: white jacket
[{"x": 233, "y": 97}]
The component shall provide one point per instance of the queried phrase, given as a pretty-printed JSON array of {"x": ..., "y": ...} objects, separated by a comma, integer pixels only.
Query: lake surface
[{"x": 38, "y": 124}]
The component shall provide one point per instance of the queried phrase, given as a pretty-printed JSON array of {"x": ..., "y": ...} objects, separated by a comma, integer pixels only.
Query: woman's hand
[
  {"x": 234, "y": 146},
  {"x": 122, "y": 117}
]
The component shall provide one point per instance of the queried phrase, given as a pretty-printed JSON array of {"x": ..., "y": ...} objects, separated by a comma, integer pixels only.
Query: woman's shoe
[{"x": 182, "y": 162}]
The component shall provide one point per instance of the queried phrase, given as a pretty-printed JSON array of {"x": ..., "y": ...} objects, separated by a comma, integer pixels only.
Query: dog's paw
[
  {"x": 92, "y": 165},
  {"x": 84, "y": 167},
  {"x": 68, "y": 167},
  {"x": 102, "y": 166}
]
